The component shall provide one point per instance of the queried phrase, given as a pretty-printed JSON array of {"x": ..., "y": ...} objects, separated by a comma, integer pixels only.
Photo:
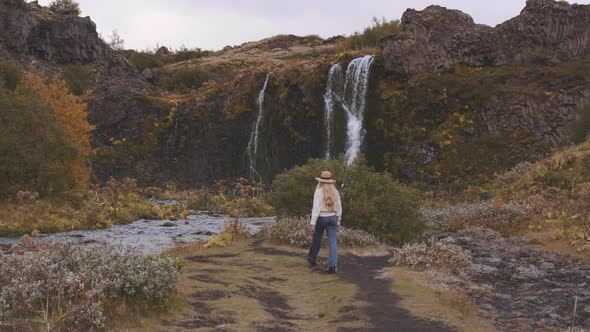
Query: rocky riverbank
[{"x": 519, "y": 288}]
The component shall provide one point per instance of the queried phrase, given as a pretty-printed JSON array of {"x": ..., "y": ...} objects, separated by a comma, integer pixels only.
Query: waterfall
[
  {"x": 253, "y": 143},
  {"x": 330, "y": 98},
  {"x": 174, "y": 134},
  {"x": 352, "y": 98},
  {"x": 355, "y": 93}
]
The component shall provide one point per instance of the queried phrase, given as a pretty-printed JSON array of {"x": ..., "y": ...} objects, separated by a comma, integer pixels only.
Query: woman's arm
[
  {"x": 338, "y": 207},
  {"x": 317, "y": 207}
]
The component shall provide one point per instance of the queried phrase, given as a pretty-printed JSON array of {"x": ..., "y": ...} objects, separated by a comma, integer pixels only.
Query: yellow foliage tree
[{"x": 70, "y": 114}]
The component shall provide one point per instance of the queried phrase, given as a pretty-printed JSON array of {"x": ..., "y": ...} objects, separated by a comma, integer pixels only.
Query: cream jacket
[{"x": 320, "y": 211}]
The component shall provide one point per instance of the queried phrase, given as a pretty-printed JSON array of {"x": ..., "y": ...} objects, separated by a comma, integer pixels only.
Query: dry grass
[
  {"x": 547, "y": 241},
  {"x": 452, "y": 307}
]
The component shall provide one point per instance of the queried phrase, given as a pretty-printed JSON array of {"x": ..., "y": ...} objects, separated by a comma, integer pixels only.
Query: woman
[{"x": 325, "y": 215}]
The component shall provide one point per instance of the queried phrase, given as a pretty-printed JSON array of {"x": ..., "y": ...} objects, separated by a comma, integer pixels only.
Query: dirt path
[
  {"x": 382, "y": 311},
  {"x": 255, "y": 287}
]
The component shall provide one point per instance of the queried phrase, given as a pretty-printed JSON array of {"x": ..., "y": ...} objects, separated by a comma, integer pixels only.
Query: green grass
[
  {"x": 315, "y": 299},
  {"x": 370, "y": 36},
  {"x": 452, "y": 307}
]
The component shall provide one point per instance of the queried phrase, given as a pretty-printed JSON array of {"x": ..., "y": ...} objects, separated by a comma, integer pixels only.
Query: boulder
[
  {"x": 163, "y": 50},
  {"x": 148, "y": 74}
]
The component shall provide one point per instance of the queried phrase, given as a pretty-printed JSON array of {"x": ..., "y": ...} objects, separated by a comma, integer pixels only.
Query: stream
[{"x": 153, "y": 236}]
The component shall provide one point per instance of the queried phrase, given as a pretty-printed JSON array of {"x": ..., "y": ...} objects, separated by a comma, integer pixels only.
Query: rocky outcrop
[
  {"x": 17, "y": 22},
  {"x": 437, "y": 38},
  {"x": 31, "y": 30}
]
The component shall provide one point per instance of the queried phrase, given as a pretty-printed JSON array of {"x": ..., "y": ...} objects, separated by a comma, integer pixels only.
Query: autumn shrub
[
  {"x": 372, "y": 201},
  {"x": 18, "y": 219},
  {"x": 10, "y": 74},
  {"x": 36, "y": 151},
  {"x": 71, "y": 115},
  {"x": 237, "y": 230},
  {"x": 234, "y": 231},
  {"x": 436, "y": 255},
  {"x": 241, "y": 206},
  {"x": 79, "y": 78},
  {"x": 145, "y": 60},
  {"x": 295, "y": 232},
  {"x": 67, "y": 287},
  {"x": 65, "y": 7},
  {"x": 124, "y": 203},
  {"x": 237, "y": 197},
  {"x": 118, "y": 203},
  {"x": 33, "y": 148},
  {"x": 184, "y": 80},
  {"x": 379, "y": 28}
]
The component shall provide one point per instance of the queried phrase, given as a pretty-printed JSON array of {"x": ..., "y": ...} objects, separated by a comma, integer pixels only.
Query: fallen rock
[
  {"x": 483, "y": 269},
  {"x": 148, "y": 74}
]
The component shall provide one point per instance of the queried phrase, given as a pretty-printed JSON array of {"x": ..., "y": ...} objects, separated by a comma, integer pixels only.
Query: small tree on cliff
[
  {"x": 116, "y": 42},
  {"x": 65, "y": 7}
]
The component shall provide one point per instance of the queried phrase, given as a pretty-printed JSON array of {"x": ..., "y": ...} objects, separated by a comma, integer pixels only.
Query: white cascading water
[
  {"x": 355, "y": 93},
  {"x": 330, "y": 99},
  {"x": 352, "y": 99},
  {"x": 253, "y": 143}
]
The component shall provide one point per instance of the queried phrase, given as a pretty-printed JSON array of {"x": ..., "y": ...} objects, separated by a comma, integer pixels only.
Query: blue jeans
[{"x": 330, "y": 224}]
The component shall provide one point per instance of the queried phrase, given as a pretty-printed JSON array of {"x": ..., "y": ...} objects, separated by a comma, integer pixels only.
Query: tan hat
[{"x": 326, "y": 177}]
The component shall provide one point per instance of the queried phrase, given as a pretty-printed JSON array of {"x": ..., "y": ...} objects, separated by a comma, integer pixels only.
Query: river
[{"x": 153, "y": 236}]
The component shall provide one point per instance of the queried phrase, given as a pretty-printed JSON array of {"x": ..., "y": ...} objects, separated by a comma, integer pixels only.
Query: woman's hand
[{"x": 311, "y": 228}]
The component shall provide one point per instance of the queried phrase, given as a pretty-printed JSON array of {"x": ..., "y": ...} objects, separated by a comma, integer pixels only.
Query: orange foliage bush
[{"x": 71, "y": 115}]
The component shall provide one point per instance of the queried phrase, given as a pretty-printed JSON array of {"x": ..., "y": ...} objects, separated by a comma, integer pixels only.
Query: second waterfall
[
  {"x": 253, "y": 143},
  {"x": 352, "y": 98}
]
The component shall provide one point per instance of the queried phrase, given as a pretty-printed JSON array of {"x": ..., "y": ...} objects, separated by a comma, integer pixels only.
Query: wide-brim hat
[{"x": 326, "y": 177}]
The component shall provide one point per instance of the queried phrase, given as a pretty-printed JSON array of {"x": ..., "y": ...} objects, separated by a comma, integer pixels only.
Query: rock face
[
  {"x": 522, "y": 79},
  {"x": 202, "y": 136},
  {"x": 32, "y": 30},
  {"x": 437, "y": 38}
]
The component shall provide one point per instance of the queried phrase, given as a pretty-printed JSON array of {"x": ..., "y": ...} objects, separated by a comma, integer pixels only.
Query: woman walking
[{"x": 325, "y": 215}]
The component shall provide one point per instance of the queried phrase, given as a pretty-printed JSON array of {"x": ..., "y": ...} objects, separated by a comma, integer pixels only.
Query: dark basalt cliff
[
  {"x": 523, "y": 81},
  {"x": 449, "y": 99},
  {"x": 31, "y": 30},
  {"x": 437, "y": 38}
]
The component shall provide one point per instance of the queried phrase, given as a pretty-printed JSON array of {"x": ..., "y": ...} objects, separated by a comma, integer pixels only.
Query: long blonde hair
[{"x": 329, "y": 194}]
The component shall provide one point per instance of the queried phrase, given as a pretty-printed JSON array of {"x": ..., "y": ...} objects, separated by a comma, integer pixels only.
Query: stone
[
  {"x": 505, "y": 297},
  {"x": 148, "y": 74},
  {"x": 162, "y": 51},
  {"x": 491, "y": 261},
  {"x": 168, "y": 224},
  {"x": 528, "y": 272},
  {"x": 483, "y": 269}
]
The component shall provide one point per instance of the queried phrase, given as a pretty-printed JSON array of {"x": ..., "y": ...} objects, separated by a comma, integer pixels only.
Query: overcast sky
[{"x": 213, "y": 24}]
